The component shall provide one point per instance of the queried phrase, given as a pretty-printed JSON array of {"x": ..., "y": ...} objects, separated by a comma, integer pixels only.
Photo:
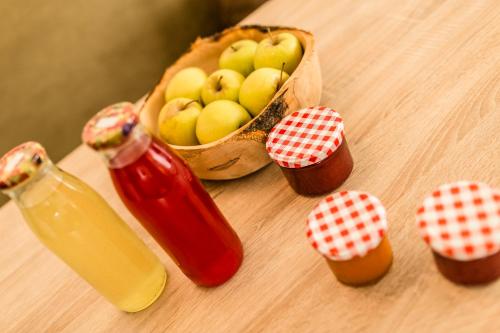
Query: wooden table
[{"x": 418, "y": 83}]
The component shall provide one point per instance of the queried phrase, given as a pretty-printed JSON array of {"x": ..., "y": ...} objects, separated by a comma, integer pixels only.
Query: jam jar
[
  {"x": 461, "y": 224},
  {"x": 310, "y": 147},
  {"x": 349, "y": 229}
]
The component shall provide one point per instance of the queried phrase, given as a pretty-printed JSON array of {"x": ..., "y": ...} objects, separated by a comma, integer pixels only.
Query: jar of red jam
[
  {"x": 162, "y": 192},
  {"x": 461, "y": 224},
  {"x": 349, "y": 229},
  {"x": 310, "y": 147}
]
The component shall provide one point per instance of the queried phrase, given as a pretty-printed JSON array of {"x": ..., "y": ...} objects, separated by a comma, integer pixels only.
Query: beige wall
[{"x": 61, "y": 61}]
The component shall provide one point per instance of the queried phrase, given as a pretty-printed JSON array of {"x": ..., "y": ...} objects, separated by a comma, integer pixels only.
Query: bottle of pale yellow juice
[{"x": 77, "y": 224}]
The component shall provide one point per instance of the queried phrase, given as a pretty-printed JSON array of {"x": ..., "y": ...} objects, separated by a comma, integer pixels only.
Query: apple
[
  {"x": 186, "y": 83},
  {"x": 259, "y": 88},
  {"x": 220, "y": 118},
  {"x": 239, "y": 56},
  {"x": 277, "y": 50},
  {"x": 177, "y": 121},
  {"x": 222, "y": 84}
]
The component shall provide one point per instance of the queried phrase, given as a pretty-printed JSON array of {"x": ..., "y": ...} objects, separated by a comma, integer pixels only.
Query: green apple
[
  {"x": 277, "y": 50},
  {"x": 220, "y": 118},
  {"x": 239, "y": 56},
  {"x": 259, "y": 88},
  {"x": 186, "y": 83},
  {"x": 222, "y": 84},
  {"x": 177, "y": 121}
]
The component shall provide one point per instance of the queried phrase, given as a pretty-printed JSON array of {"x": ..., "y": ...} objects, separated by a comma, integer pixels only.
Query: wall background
[{"x": 61, "y": 61}]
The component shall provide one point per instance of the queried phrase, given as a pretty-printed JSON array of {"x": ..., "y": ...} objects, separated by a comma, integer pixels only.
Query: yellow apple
[
  {"x": 177, "y": 121},
  {"x": 186, "y": 83},
  {"x": 222, "y": 84},
  {"x": 220, "y": 118},
  {"x": 276, "y": 50},
  {"x": 239, "y": 56},
  {"x": 259, "y": 88}
]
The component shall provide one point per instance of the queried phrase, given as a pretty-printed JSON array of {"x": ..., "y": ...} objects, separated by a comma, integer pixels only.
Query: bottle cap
[
  {"x": 111, "y": 126},
  {"x": 21, "y": 163}
]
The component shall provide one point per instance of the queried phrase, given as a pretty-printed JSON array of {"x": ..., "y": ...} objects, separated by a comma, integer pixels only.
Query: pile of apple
[{"x": 203, "y": 109}]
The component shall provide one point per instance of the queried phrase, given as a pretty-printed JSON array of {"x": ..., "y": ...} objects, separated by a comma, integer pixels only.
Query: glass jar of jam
[
  {"x": 310, "y": 147},
  {"x": 349, "y": 229},
  {"x": 162, "y": 192},
  {"x": 461, "y": 224}
]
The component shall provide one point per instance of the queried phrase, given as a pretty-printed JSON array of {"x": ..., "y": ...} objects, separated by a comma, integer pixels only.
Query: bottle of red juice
[{"x": 162, "y": 192}]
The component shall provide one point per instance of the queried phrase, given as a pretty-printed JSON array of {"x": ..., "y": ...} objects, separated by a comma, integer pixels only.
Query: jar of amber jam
[
  {"x": 349, "y": 229},
  {"x": 310, "y": 147},
  {"x": 461, "y": 224}
]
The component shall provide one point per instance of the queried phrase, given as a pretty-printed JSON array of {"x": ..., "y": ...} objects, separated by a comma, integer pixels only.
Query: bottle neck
[
  {"x": 129, "y": 151},
  {"x": 38, "y": 187}
]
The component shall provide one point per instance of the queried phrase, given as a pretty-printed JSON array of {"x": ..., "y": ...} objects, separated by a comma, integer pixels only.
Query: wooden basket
[{"x": 243, "y": 151}]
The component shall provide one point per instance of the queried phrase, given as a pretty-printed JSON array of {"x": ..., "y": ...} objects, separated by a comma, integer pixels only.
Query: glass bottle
[
  {"x": 162, "y": 192},
  {"x": 75, "y": 223}
]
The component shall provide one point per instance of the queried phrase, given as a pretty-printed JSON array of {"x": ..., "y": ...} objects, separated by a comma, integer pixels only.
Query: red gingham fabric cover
[
  {"x": 347, "y": 224},
  {"x": 461, "y": 220},
  {"x": 305, "y": 137}
]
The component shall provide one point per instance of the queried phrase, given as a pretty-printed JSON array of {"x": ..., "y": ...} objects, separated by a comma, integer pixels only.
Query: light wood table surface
[{"x": 418, "y": 84}]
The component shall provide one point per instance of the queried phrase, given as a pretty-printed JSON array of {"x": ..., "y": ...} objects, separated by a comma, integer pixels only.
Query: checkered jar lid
[
  {"x": 111, "y": 126},
  {"x": 461, "y": 220},
  {"x": 347, "y": 224},
  {"x": 305, "y": 137},
  {"x": 21, "y": 163}
]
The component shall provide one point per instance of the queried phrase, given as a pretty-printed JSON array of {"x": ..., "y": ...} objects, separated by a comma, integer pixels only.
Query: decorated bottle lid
[
  {"x": 111, "y": 126},
  {"x": 305, "y": 137},
  {"x": 347, "y": 224},
  {"x": 21, "y": 163},
  {"x": 461, "y": 221}
]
